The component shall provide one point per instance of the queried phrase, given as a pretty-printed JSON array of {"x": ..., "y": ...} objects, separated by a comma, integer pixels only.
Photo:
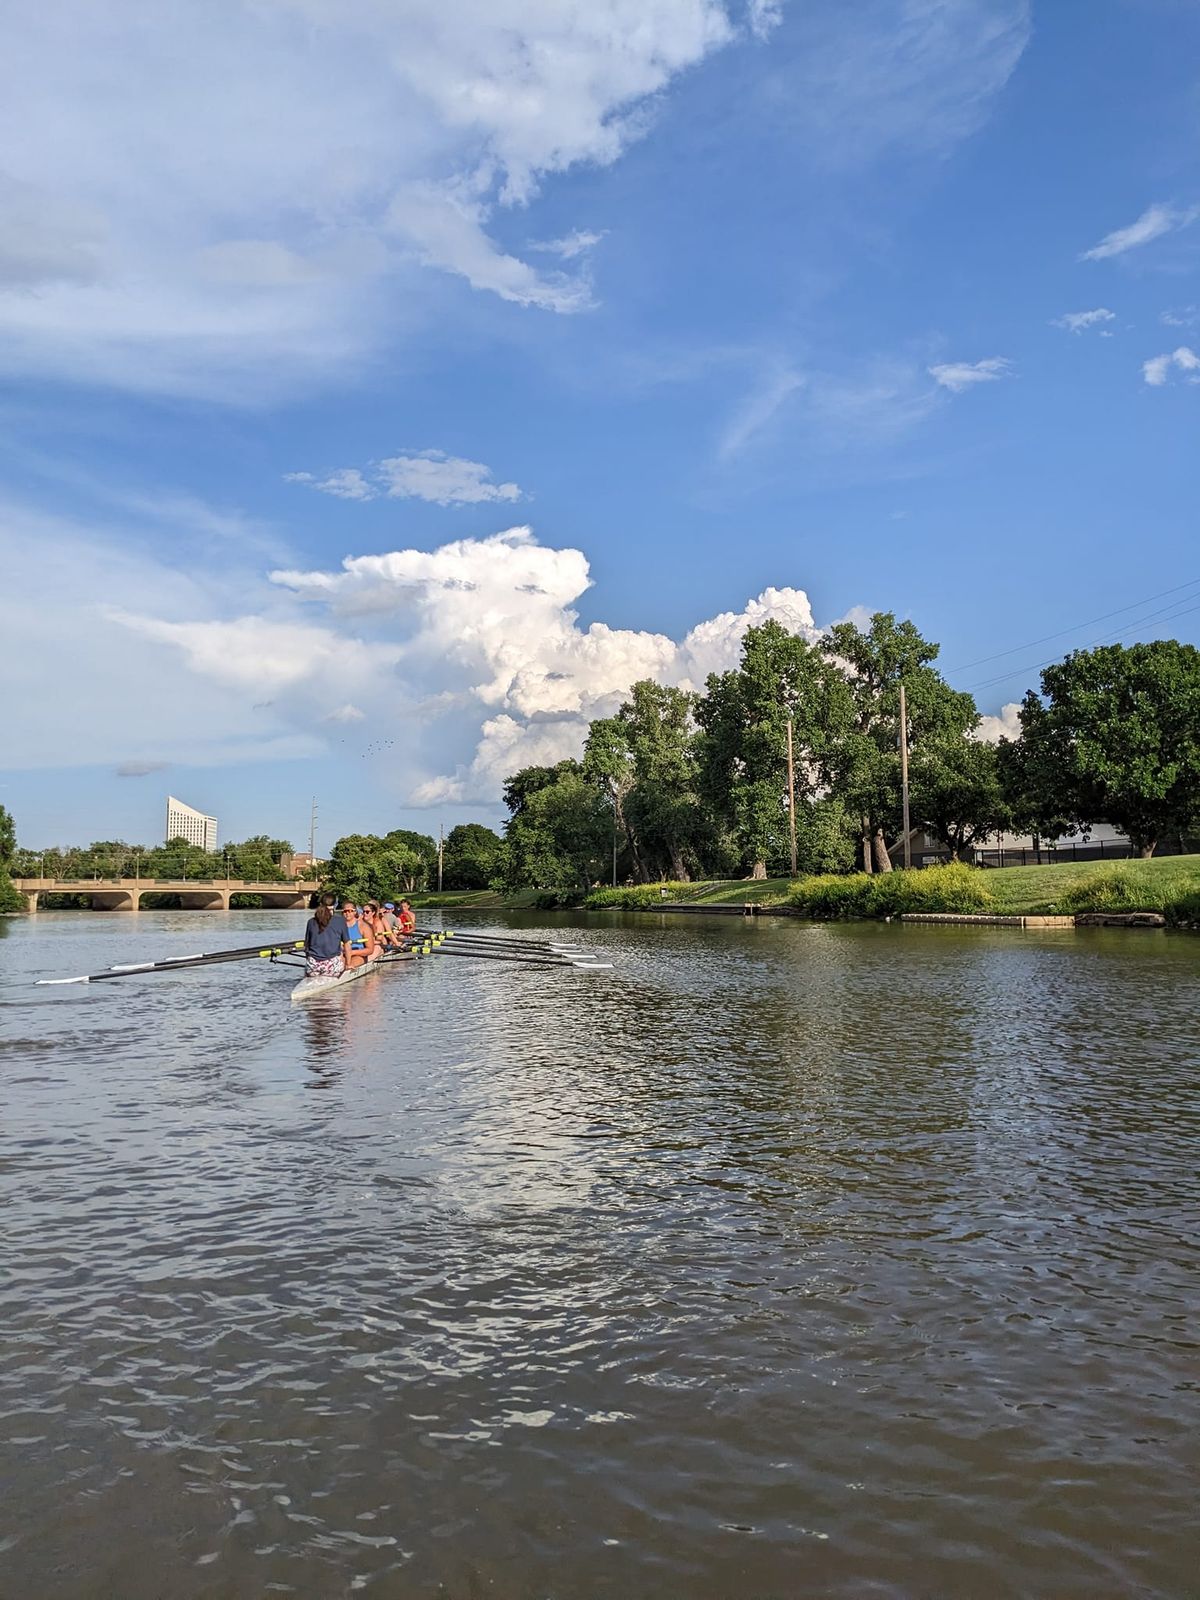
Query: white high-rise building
[{"x": 185, "y": 822}]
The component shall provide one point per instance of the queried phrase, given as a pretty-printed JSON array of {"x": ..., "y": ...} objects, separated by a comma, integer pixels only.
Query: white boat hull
[{"x": 308, "y": 988}]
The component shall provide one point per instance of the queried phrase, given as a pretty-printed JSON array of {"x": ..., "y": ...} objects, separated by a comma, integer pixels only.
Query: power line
[
  {"x": 1167, "y": 614},
  {"x": 1062, "y": 632}
]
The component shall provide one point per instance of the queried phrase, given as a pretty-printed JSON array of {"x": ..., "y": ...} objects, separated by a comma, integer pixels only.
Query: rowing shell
[{"x": 308, "y": 987}]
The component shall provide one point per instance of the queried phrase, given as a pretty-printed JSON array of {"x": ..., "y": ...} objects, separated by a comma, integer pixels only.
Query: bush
[
  {"x": 1183, "y": 909},
  {"x": 11, "y": 898},
  {"x": 956, "y": 888},
  {"x": 640, "y": 894}
]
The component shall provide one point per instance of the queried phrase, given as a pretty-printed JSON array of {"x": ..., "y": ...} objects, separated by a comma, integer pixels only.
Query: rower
[
  {"x": 408, "y": 918},
  {"x": 392, "y": 924},
  {"x": 360, "y": 941},
  {"x": 325, "y": 942}
]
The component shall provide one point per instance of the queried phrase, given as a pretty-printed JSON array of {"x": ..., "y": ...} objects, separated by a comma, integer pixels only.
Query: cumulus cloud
[
  {"x": 425, "y": 475},
  {"x": 321, "y": 156},
  {"x": 1078, "y": 321},
  {"x": 1153, "y": 223},
  {"x": 1157, "y": 370},
  {"x": 959, "y": 375},
  {"x": 1007, "y": 725}
]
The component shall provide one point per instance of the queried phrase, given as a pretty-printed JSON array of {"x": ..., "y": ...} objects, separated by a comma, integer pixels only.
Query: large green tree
[
  {"x": 744, "y": 716},
  {"x": 957, "y": 791},
  {"x": 471, "y": 856},
  {"x": 1114, "y": 737},
  {"x": 861, "y": 762},
  {"x": 561, "y": 835},
  {"x": 644, "y": 761}
]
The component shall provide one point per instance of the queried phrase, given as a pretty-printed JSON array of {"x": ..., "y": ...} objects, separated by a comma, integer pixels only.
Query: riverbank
[{"x": 1169, "y": 885}]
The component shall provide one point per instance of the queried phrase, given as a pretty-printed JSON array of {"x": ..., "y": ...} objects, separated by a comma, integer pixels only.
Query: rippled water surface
[{"x": 780, "y": 1261}]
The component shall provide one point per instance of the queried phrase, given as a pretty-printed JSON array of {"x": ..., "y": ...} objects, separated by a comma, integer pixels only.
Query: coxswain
[{"x": 325, "y": 942}]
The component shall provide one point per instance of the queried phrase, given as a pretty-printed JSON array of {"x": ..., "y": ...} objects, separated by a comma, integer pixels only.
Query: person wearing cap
[{"x": 391, "y": 923}]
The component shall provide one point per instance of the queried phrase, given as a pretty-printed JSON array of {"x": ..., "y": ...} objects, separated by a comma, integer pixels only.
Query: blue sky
[{"x": 384, "y": 388}]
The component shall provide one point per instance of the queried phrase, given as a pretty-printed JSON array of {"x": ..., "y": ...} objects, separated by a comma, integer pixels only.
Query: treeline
[
  {"x": 679, "y": 786},
  {"x": 256, "y": 860},
  {"x": 368, "y": 866}
]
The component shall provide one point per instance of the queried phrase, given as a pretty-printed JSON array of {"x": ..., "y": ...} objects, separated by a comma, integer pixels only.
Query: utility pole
[
  {"x": 792, "y": 795},
  {"x": 441, "y": 848},
  {"x": 904, "y": 777},
  {"x": 614, "y": 840},
  {"x": 312, "y": 836}
]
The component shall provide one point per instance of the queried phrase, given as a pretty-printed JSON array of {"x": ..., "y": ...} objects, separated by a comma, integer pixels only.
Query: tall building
[{"x": 184, "y": 822}]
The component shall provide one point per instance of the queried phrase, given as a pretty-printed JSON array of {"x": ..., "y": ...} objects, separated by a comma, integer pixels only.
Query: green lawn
[{"x": 1151, "y": 884}]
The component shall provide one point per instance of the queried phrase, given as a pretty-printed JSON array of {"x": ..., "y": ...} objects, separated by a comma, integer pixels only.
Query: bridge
[{"x": 201, "y": 894}]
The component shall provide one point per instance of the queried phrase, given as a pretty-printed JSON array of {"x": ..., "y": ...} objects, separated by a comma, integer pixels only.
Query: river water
[{"x": 781, "y": 1260}]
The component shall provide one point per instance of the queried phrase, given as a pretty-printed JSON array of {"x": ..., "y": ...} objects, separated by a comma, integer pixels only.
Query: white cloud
[
  {"x": 490, "y": 625},
  {"x": 1078, "y": 321},
  {"x": 764, "y": 16},
  {"x": 139, "y": 769},
  {"x": 320, "y": 153},
  {"x": 570, "y": 245},
  {"x": 1157, "y": 370},
  {"x": 445, "y": 480},
  {"x": 346, "y": 713},
  {"x": 959, "y": 375},
  {"x": 1153, "y": 223},
  {"x": 1183, "y": 317},
  {"x": 347, "y": 483},
  {"x": 424, "y": 475},
  {"x": 1007, "y": 725}
]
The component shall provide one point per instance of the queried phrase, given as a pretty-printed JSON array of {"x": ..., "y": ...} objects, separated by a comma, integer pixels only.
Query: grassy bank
[{"x": 1170, "y": 884}]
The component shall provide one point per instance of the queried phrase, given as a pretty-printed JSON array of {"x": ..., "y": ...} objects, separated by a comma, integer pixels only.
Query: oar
[
  {"x": 520, "y": 961},
  {"x": 498, "y": 940},
  {"x": 178, "y": 963}
]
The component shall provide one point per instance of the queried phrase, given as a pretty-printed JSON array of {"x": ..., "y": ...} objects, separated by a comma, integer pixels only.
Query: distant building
[
  {"x": 185, "y": 822},
  {"x": 298, "y": 864}
]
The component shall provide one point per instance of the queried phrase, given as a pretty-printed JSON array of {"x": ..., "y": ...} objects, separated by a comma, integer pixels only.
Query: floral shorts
[{"x": 325, "y": 967}]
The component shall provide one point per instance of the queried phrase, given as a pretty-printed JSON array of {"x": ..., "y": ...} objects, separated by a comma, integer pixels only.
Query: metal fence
[{"x": 1049, "y": 855}]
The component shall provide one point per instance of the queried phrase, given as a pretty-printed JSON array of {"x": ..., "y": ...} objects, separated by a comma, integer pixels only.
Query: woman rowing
[
  {"x": 325, "y": 942},
  {"x": 373, "y": 915},
  {"x": 408, "y": 918},
  {"x": 360, "y": 938}
]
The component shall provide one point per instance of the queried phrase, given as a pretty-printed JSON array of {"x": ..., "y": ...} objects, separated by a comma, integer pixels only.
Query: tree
[
  {"x": 471, "y": 856},
  {"x": 419, "y": 851},
  {"x": 1114, "y": 737},
  {"x": 957, "y": 792},
  {"x": 10, "y": 899},
  {"x": 743, "y": 717},
  {"x": 560, "y": 837},
  {"x": 520, "y": 789},
  {"x": 862, "y": 763}
]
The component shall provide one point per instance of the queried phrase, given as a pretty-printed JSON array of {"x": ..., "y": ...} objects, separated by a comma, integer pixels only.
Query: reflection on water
[{"x": 780, "y": 1260}]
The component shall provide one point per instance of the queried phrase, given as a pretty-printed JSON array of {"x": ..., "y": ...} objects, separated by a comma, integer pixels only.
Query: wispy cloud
[
  {"x": 1154, "y": 222},
  {"x": 757, "y": 409},
  {"x": 1078, "y": 321},
  {"x": 321, "y": 156},
  {"x": 347, "y": 483},
  {"x": 571, "y": 245},
  {"x": 1157, "y": 370},
  {"x": 1181, "y": 317},
  {"x": 431, "y": 475},
  {"x": 959, "y": 375}
]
